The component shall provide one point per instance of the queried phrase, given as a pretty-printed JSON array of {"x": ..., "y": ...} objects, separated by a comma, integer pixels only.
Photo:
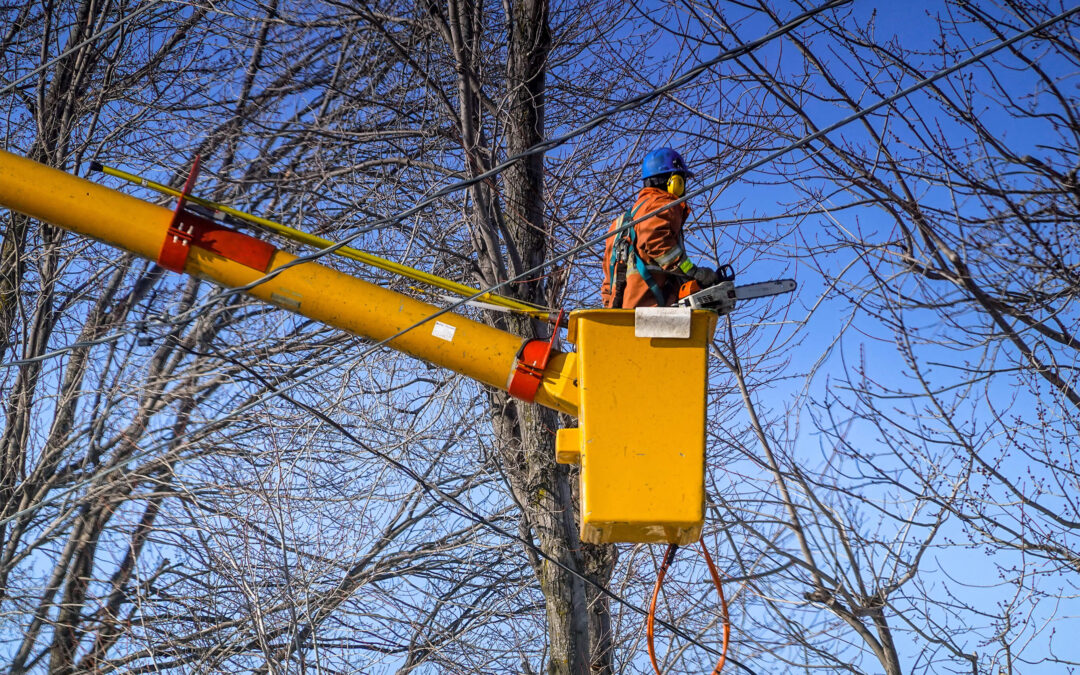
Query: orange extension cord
[{"x": 669, "y": 556}]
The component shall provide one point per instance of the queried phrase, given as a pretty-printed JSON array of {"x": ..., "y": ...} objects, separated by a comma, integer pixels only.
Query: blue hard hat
[{"x": 663, "y": 160}]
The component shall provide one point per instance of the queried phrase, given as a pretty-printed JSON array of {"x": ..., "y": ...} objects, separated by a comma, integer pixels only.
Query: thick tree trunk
[{"x": 579, "y": 630}]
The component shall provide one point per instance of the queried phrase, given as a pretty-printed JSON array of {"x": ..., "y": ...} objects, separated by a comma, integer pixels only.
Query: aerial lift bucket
[{"x": 640, "y": 442}]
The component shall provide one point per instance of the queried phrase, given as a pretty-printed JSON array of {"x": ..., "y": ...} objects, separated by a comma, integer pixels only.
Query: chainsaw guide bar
[{"x": 721, "y": 297}]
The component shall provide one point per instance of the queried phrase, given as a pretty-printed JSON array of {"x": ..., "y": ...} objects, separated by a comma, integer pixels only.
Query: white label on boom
[{"x": 443, "y": 331}]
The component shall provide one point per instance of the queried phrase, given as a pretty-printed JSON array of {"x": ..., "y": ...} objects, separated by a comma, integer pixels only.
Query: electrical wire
[{"x": 593, "y": 122}]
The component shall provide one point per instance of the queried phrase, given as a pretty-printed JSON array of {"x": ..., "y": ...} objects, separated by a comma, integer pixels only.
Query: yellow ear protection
[{"x": 676, "y": 184}]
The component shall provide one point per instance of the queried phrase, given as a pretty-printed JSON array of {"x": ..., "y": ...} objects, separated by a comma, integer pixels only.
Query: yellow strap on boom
[{"x": 301, "y": 237}]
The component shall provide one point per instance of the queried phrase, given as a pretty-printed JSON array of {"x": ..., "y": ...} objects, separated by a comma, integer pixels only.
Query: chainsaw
[{"x": 721, "y": 297}]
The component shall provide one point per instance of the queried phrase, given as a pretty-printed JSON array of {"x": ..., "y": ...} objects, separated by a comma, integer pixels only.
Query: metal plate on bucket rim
[{"x": 662, "y": 322}]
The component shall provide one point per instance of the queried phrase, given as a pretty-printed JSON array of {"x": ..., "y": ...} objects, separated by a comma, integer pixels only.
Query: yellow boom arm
[{"x": 226, "y": 257}]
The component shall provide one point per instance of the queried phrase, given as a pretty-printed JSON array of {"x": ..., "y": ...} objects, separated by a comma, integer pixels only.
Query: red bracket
[
  {"x": 187, "y": 229},
  {"x": 174, "y": 251},
  {"x": 532, "y": 360}
]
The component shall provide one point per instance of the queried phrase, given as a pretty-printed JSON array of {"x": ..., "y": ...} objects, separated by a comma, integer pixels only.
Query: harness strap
[
  {"x": 640, "y": 267},
  {"x": 617, "y": 274},
  {"x": 639, "y": 263},
  {"x": 643, "y": 270}
]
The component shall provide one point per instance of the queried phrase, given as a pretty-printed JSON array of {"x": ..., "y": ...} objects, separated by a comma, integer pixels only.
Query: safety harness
[{"x": 624, "y": 247}]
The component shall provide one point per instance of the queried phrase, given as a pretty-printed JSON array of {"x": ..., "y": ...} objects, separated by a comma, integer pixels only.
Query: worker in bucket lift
[{"x": 645, "y": 265}]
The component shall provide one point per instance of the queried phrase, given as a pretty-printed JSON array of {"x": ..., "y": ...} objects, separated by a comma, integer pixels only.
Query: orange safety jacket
[{"x": 659, "y": 244}]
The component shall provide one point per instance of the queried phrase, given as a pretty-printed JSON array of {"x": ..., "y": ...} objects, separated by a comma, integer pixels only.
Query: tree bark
[{"x": 578, "y": 618}]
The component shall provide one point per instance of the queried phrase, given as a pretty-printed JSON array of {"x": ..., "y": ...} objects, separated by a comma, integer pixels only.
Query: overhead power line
[{"x": 624, "y": 106}]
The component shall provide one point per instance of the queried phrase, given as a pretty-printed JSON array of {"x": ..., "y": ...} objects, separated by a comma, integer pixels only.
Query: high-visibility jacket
[{"x": 659, "y": 245}]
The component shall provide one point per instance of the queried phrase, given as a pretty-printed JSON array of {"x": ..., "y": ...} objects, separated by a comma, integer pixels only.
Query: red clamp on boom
[
  {"x": 532, "y": 360},
  {"x": 187, "y": 229},
  {"x": 174, "y": 251}
]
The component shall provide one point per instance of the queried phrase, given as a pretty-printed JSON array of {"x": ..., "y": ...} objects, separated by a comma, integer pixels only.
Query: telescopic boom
[{"x": 186, "y": 242}]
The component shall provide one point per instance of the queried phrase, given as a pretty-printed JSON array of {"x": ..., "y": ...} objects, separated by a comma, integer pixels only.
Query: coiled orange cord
[
  {"x": 723, "y": 606},
  {"x": 668, "y": 558}
]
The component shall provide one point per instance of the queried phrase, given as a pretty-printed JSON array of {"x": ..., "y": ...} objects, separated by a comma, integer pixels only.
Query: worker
[{"x": 645, "y": 265}]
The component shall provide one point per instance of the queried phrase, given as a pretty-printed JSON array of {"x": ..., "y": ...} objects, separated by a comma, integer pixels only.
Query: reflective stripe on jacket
[{"x": 659, "y": 243}]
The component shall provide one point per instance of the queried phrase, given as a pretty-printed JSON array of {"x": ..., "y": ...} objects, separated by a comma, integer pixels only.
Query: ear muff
[{"x": 676, "y": 185}]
